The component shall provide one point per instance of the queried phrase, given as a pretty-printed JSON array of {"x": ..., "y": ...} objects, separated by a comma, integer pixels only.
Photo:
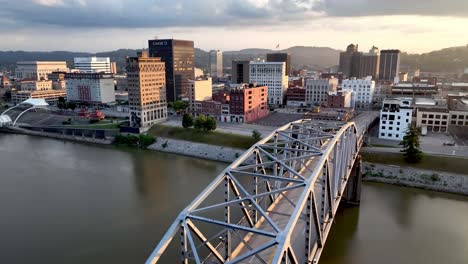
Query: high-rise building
[
  {"x": 350, "y": 61},
  {"x": 362, "y": 91},
  {"x": 369, "y": 64},
  {"x": 240, "y": 72},
  {"x": 317, "y": 90},
  {"x": 94, "y": 88},
  {"x": 281, "y": 57},
  {"x": 93, "y": 64},
  {"x": 179, "y": 56},
  {"x": 215, "y": 66},
  {"x": 389, "y": 65},
  {"x": 146, "y": 90},
  {"x": 273, "y": 75},
  {"x": 37, "y": 70}
]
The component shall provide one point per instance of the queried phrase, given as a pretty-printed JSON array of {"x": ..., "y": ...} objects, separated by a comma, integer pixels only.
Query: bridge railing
[{"x": 287, "y": 185}]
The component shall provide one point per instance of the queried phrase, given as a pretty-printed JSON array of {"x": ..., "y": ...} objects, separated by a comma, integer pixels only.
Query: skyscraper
[
  {"x": 350, "y": 61},
  {"x": 240, "y": 72},
  {"x": 179, "y": 56},
  {"x": 389, "y": 64},
  {"x": 93, "y": 64},
  {"x": 272, "y": 75},
  {"x": 281, "y": 57},
  {"x": 369, "y": 64},
  {"x": 215, "y": 66},
  {"x": 146, "y": 90}
]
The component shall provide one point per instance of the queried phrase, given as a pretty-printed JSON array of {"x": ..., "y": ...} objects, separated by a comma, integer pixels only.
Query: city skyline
[{"x": 39, "y": 25}]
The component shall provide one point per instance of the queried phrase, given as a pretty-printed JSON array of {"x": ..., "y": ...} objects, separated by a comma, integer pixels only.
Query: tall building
[
  {"x": 273, "y": 75},
  {"x": 317, "y": 90},
  {"x": 395, "y": 118},
  {"x": 37, "y": 70},
  {"x": 362, "y": 91},
  {"x": 93, "y": 64},
  {"x": 240, "y": 72},
  {"x": 93, "y": 88},
  {"x": 201, "y": 89},
  {"x": 370, "y": 64},
  {"x": 215, "y": 66},
  {"x": 146, "y": 90},
  {"x": 389, "y": 64},
  {"x": 281, "y": 57},
  {"x": 178, "y": 56},
  {"x": 350, "y": 61}
]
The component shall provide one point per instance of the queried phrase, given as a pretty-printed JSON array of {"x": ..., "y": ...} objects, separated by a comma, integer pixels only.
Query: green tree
[
  {"x": 256, "y": 135},
  {"x": 187, "y": 121},
  {"x": 200, "y": 122},
  {"x": 411, "y": 150},
  {"x": 210, "y": 124},
  {"x": 72, "y": 106},
  {"x": 180, "y": 106}
]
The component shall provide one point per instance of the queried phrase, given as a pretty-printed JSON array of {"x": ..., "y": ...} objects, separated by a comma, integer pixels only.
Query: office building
[
  {"x": 395, "y": 118},
  {"x": 431, "y": 116},
  {"x": 201, "y": 89},
  {"x": 93, "y": 65},
  {"x": 90, "y": 88},
  {"x": 339, "y": 99},
  {"x": 295, "y": 96},
  {"x": 362, "y": 91},
  {"x": 317, "y": 90},
  {"x": 146, "y": 90},
  {"x": 215, "y": 66},
  {"x": 179, "y": 57},
  {"x": 350, "y": 61},
  {"x": 42, "y": 85},
  {"x": 389, "y": 65},
  {"x": 51, "y": 96},
  {"x": 37, "y": 70},
  {"x": 58, "y": 80},
  {"x": 240, "y": 72},
  {"x": 281, "y": 57},
  {"x": 370, "y": 64},
  {"x": 272, "y": 75},
  {"x": 248, "y": 104}
]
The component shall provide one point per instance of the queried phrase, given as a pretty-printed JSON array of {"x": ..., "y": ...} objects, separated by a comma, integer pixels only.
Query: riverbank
[
  {"x": 198, "y": 150},
  {"x": 416, "y": 178}
]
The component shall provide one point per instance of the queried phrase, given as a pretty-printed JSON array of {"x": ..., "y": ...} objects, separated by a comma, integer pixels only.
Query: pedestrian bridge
[{"x": 276, "y": 203}]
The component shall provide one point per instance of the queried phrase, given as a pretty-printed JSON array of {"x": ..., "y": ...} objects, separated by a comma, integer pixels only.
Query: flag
[{"x": 277, "y": 46}]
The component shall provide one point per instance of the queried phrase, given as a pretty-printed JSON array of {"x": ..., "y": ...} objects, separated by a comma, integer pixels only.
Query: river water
[{"x": 65, "y": 202}]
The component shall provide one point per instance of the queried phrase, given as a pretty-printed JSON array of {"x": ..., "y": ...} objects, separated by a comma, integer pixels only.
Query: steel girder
[{"x": 274, "y": 204}]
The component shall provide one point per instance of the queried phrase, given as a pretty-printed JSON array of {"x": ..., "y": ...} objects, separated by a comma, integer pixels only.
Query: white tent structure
[{"x": 31, "y": 103}]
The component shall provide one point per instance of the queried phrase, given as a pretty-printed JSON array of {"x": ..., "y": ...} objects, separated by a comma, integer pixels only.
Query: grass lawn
[
  {"x": 214, "y": 138},
  {"x": 436, "y": 163}
]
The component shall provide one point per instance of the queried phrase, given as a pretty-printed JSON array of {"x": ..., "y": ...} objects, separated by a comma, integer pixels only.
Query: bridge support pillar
[{"x": 352, "y": 194}]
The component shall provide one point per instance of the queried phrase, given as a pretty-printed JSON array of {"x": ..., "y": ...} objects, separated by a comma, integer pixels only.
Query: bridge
[{"x": 276, "y": 203}]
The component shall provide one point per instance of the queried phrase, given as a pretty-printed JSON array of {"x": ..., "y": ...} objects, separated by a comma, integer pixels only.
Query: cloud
[{"x": 209, "y": 13}]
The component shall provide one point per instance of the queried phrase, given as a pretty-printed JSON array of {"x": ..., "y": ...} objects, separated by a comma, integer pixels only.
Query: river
[{"x": 66, "y": 202}]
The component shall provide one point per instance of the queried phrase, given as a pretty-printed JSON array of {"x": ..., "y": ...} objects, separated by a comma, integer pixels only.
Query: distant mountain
[{"x": 448, "y": 60}]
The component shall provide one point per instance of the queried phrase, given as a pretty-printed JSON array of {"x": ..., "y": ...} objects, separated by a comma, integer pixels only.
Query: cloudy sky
[{"x": 100, "y": 25}]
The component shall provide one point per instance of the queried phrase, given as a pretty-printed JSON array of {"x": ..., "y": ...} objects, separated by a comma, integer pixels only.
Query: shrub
[
  {"x": 145, "y": 140},
  {"x": 200, "y": 122}
]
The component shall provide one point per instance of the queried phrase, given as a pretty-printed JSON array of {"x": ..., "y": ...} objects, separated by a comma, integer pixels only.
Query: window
[
  {"x": 454, "y": 116},
  {"x": 423, "y": 122},
  {"x": 424, "y": 115},
  {"x": 390, "y": 134},
  {"x": 431, "y": 116},
  {"x": 407, "y": 114},
  {"x": 437, "y": 116},
  {"x": 444, "y": 117},
  {"x": 382, "y": 134},
  {"x": 453, "y": 122}
]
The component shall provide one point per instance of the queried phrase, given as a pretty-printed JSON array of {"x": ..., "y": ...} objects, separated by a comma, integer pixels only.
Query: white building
[
  {"x": 93, "y": 88},
  {"x": 43, "y": 85},
  {"x": 37, "y": 70},
  {"x": 273, "y": 75},
  {"x": 362, "y": 89},
  {"x": 216, "y": 63},
  {"x": 198, "y": 72},
  {"x": 395, "y": 118},
  {"x": 317, "y": 90},
  {"x": 93, "y": 64}
]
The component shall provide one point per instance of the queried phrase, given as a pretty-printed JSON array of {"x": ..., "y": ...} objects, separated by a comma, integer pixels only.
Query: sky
[{"x": 414, "y": 26}]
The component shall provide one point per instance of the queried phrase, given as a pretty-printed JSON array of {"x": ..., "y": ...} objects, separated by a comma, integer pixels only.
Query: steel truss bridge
[{"x": 275, "y": 204}]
